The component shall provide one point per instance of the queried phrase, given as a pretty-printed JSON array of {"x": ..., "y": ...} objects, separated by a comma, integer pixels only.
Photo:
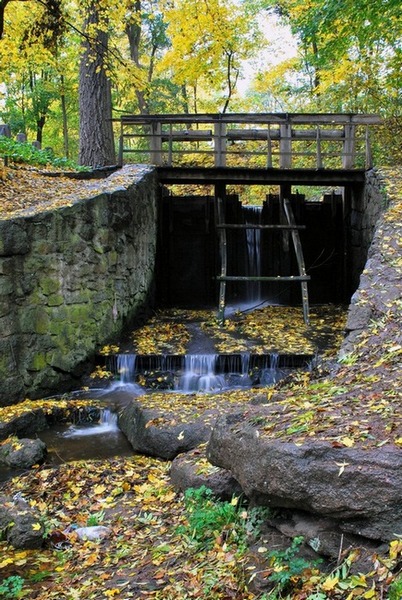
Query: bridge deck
[{"x": 253, "y": 176}]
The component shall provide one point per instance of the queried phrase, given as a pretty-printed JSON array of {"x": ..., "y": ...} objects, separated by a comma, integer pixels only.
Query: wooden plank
[
  {"x": 250, "y": 175},
  {"x": 297, "y": 134},
  {"x": 303, "y": 278},
  {"x": 255, "y": 226},
  {"x": 297, "y": 278},
  {"x": 263, "y": 118},
  {"x": 188, "y": 135}
]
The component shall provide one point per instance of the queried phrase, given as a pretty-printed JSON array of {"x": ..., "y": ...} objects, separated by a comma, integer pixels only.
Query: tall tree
[
  {"x": 209, "y": 39},
  {"x": 95, "y": 95}
]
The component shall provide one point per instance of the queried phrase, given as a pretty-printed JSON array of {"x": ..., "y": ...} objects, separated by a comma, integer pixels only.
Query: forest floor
[{"x": 164, "y": 546}]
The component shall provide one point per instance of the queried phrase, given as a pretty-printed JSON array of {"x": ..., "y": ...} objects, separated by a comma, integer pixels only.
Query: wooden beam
[
  {"x": 230, "y": 175},
  {"x": 251, "y": 226}
]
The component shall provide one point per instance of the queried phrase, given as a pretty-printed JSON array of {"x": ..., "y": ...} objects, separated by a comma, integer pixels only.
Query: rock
[
  {"x": 192, "y": 470},
  {"x": 20, "y": 525},
  {"x": 23, "y": 453},
  {"x": 359, "y": 489},
  {"x": 358, "y": 317},
  {"x": 157, "y": 433},
  {"x": 27, "y": 423},
  {"x": 321, "y": 534}
]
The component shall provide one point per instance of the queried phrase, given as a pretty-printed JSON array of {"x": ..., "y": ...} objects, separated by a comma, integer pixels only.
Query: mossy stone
[
  {"x": 38, "y": 361},
  {"x": 55, "y": 300},
  {"x": 49, "y": 285}
]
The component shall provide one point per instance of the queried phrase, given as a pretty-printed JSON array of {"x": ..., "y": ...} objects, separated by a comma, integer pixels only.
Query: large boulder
[{"x": 360, "y": 490}]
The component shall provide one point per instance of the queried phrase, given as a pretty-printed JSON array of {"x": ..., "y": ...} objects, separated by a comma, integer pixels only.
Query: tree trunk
[
  {"x": 95, "y": 97},
  {"x": 64, "y": 116},
  {"x": 133, "y": 31},
  {"x": 40, "y": 123}
]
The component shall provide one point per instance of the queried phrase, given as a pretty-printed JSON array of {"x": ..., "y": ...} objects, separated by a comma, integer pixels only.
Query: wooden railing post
[
  {"x": 369, "y": 156},
  {"x": 285, "y": 146},
  {"x": 220, "y": 144},
  {"x": 319, "y": 155},
  {"x": 269, "y": 147},
  {"x": 156, "y": 143},
  {"x": 349, "y": 146},
  {"x": 121, "y": 145}
]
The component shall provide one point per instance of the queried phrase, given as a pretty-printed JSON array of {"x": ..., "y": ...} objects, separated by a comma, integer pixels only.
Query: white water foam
[
  {"x": 199, "y": 374},
  {"x": 107, "y": 424}
]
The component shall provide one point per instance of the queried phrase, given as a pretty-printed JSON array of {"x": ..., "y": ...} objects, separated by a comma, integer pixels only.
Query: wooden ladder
[{"x": 291, "y": 226}]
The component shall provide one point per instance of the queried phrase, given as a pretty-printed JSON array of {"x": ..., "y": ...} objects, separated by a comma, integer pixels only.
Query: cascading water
[
  {"x": 126, "y": 364},
  {"x": 200, "y": 374},
  {"x": 107, "y": 424},
  {"x": 252, "y": 216},
  {"x": 271, "y": 373},
  {"x": 193, "y": 372}
]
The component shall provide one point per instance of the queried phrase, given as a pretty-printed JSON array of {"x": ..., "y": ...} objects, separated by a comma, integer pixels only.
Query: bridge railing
[{"x": 264, "y": 140}]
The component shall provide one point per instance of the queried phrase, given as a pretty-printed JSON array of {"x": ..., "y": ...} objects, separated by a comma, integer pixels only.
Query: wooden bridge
[{"x": 250, "y": 148}]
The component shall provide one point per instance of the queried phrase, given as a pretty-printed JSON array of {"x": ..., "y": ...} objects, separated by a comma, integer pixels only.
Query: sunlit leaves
[{"x": 161, "y": 338}]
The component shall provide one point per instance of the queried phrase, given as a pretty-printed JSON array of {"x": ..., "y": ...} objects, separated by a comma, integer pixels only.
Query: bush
[{"x": 22, "y": 152}]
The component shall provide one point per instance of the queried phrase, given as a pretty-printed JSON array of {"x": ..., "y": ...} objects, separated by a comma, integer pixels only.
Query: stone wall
[
  {"x": 367, "y": 206},
  {"x": 71, "y": 279},
  {"x": 380, "y": 284}
]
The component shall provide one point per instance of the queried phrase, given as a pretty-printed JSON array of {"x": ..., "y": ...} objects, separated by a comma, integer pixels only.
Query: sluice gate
[{"x": 261, "y": 261}]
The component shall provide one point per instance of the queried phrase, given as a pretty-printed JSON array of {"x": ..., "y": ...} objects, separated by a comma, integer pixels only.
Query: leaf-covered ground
[
  {"x": 27, "y": 190},
  {"x": 260, "y": 331}
]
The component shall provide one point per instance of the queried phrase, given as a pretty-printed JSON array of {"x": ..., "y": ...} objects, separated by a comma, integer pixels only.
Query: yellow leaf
[
  {"x": 370, "y": 594},
  {"x": 395, "y": 548},
  {"x": 330, "y": 583},
  {"x": 5, "y": 562},
  {"x": 36, "y": 526},
  {"x": 399, "y": 441},
  {"x": 347, "y": 441},
  {"x": 99, "y": 489}
]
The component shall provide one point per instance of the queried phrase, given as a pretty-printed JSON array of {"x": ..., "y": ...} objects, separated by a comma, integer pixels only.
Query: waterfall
[
  {"x": 252, "y": 216},
  {"x": 199, "y": 374},
  {"x": 271, "y": 373},
  {"x": 107, "y": 423},
  {"x": 126, "y": 364}
]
